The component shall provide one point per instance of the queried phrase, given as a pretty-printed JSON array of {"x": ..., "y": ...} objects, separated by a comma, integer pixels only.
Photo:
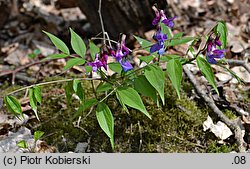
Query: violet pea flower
[
  {"x": 126, "y": 66},
  {"x": 215, "y": 53},
  {"x": 159, "y": 46}
]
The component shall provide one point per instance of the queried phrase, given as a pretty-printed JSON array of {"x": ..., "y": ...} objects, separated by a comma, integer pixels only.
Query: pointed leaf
[
  {"x": 73, "y": 62},
  {"x": 60, "y": 45},
  {"x": 166, "y": 30},
  {"x": 142, "y": 85},
  {"x": 38, "y": 94},
  {"x": 179, "y": 41},
  {"x": 174, "y": 69},
  {"x": 222, "y": 30},
  {"x": 103, "y": 87},
  {"x": 146, "y": 59},
  {"x": 22, "y": 144},
  {"x": 69, "y": 91},
  {"x": 206, "y": 70},
  {"x": 178, "y": 35},
  {"x": 156, "y": 78},
  {"x": 131, "y": 98},
  {"x": 77, "y": 43},
  {"x": 105, "y": 120},
  {"x": 93, "y": 49},
  {"x": 116, "y": 67},
  {"x": 80, "y": 92},
  {"x": 33, "y": 102},
  {"x": 38, "y": 135},
  {"x": 145, "y": 44},
  {"x": 121, "y": 102},
  {"x": 13, "y": 105}
]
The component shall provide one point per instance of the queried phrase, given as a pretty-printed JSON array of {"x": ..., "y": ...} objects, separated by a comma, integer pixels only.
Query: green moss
[{"x": 175, "y": 127}]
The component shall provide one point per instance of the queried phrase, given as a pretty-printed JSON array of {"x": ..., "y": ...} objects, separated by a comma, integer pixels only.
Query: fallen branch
[
  {"x": 232, "y": 125},
  {"x": 13, "y": 72}
]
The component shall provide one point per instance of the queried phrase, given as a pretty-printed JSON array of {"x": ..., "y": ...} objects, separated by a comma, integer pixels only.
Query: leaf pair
[{"x": 77, "y": 45}]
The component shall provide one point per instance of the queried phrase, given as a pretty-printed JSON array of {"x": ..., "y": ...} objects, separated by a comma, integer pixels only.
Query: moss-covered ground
[{"x": 175, "y": 127}]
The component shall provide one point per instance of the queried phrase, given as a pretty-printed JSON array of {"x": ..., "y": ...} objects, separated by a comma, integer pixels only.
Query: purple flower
[
  {"x": 102, "y": 62},
  {"x": 160, "y": 16},
  {"x": 121, "y": 52},
  {"x": 126, "y": 66},
  {"x": 159, "y": 46},
  {"x": 157, "y": 18},
  {"x": 169, "y": 22},
  {"x": 159, "y": 36},
  {"x": 213, "y": 52}
]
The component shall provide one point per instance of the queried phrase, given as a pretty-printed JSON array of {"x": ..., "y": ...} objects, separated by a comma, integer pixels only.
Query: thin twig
[
  {"x": 232, "y": 125},
  {"x": 101, "y": 21},
  {"x": 13, "y": 72}
]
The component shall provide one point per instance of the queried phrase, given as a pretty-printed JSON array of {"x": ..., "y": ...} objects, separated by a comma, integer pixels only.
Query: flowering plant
[{"x": 131, "y": 82}]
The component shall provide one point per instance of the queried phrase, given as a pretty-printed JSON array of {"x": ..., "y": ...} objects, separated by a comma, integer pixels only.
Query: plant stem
[
  {"x": 101, "y": 21},
  {"x": 51, "y": 82}
]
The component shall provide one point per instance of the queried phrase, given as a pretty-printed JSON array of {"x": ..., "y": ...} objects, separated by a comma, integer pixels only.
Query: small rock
[
  {"x": 224, "y": 77},
  {"x": 242, "y": 73},
  {"x": 81, "y": 147}
]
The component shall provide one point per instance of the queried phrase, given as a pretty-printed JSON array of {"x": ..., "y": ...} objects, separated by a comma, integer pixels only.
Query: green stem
[{"x": 50, "y": 82}]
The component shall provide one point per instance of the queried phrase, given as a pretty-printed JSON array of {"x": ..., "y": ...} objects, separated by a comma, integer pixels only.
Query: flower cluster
[
  {"x": 159, "y": 36},
  {"x": 212, "y": 51},
  {"x": 119, "y": 54},
  {"x": 99, "y": 62}
]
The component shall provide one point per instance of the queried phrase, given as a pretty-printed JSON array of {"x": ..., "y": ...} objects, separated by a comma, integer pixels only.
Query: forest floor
[{"x": 178, "y": 126}]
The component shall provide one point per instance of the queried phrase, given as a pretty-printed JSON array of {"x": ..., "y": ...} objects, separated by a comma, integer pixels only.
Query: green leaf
[
  {"x": 144, "y": 43},
  {"x": 156, "y": 78},
  {"x": 88, "y": 69},
  {"x": 121, "y": 102},
  {"x": 56, "y": 56},
  {"x": 106, "y": 121},
  {"x": 60, "y": 45},
  {"x": 80, "y": 92},
  {"x": 69, "y": 91},
  {"x": 85, "y": 105},
  {"x": 73, "y": 62},
  {"x": 22, "y": 144},
  {"x": 131, "y": 98},
  {"x": 178, "y": 35},
  {"x": 174, "y": 69},
  {"x": 33, "y": 102},
  {"x": 116, "y": 67},
  {"x": 38, "y": 135},
  {"x": 13, "y": 105},
  {"x": 38, "y": 94},
  {"x": 222, "y": 30},
  {"x": 206, "y": 70},
  {"x": 142, "y": 85},
  {"x": 93, "y": 49},
  {"x": 103, "y": 87},
  {"x": 165, "y": 30},
  {"x": 180, "y": 41},
  {"x": 146, "y": 59},
  {"x": 167, "y": 58},
  {"x": 75, "y": 84},
  {"x": 77, "y": 43}
]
